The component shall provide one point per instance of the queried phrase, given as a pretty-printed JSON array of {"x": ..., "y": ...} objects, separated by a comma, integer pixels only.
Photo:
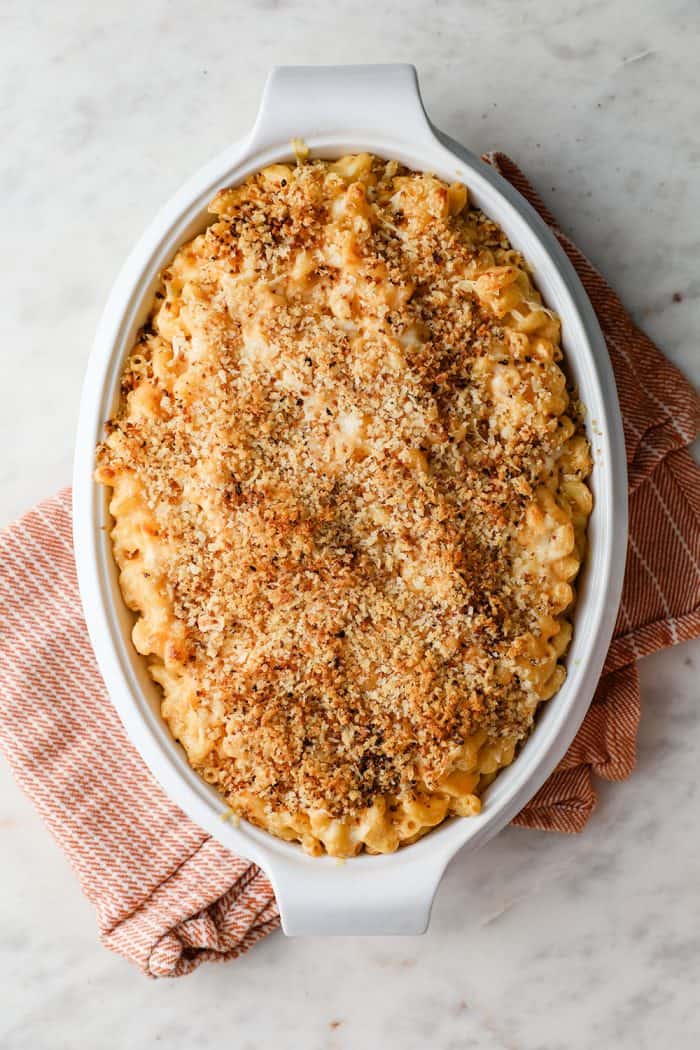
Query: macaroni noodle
[{"x": 349, "y": 497}]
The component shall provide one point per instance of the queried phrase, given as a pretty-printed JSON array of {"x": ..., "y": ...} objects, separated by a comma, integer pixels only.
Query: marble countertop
[{"x": 538, "y": 942}]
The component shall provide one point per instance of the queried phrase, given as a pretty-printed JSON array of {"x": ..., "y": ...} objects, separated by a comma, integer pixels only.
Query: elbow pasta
[{"x": 349, "y": 489}]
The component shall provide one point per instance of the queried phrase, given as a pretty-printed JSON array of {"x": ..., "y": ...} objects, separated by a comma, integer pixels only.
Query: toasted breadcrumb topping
[{"x": 340, "y": 470}]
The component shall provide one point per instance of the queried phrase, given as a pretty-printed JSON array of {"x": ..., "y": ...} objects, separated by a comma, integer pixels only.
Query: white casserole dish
[{"x": 339, "y": 110}]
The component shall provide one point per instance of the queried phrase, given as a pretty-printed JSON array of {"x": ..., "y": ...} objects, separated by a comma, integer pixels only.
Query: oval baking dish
[{"x": 340, "y": 110}]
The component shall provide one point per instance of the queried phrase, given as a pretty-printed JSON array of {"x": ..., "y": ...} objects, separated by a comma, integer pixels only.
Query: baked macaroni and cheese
[{"x": 350, "y": 502}]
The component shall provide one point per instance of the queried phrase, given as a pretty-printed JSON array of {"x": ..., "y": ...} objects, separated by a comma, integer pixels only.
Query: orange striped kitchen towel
[{"x": 169, "y": 897}]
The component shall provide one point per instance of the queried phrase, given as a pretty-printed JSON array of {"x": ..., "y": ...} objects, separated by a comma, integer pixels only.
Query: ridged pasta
[{"x": 349, "y": 496}]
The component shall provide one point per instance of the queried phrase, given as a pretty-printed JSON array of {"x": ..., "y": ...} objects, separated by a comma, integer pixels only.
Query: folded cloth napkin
[{"x": 169, "y": 897}]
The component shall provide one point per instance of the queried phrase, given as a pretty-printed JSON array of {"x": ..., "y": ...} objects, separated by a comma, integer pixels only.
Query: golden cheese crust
[{"x": 349, "y": 501}]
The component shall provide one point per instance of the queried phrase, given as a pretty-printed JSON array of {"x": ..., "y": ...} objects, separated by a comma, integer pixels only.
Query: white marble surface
[{"x": 539, "y": 942}]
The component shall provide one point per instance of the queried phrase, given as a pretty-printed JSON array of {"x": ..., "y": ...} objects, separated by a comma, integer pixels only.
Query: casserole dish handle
[
  {"x": 327, "y": 102},
  {"x": 362, "y": 896}
]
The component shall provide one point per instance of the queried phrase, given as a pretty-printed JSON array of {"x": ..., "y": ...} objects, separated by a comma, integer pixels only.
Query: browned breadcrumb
[{"x": 317, "y": 418}]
